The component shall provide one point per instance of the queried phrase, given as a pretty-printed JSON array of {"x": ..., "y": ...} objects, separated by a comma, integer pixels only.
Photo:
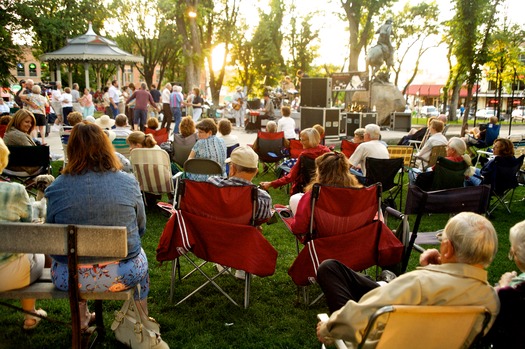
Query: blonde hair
[
  {"x": 313, "y": 136},
  {"x": 333, "y": 169},
  {"x": 4, "y": 155},
  {"x": 271, "y": 127},
  {"x": 139, "y": 137}
]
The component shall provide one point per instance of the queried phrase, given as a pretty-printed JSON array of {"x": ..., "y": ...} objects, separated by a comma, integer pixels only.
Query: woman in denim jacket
[{"x": 93, "y": 191}]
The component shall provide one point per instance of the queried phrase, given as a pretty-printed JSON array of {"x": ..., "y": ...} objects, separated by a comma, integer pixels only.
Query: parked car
[
  {"x": 518, "y": 114},
  {"x": 429, "y": 110},
  {"x": 486, "y": 113}
]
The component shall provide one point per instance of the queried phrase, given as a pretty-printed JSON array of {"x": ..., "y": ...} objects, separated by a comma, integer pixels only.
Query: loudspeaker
[
  {"x": 400, "y": 121},
  {"x": 368, "y": 118},
  {"x": 352, "y": 123},
  {"x": 316, "y": 92},
  {"x": 254, "y": 103},
  {"x": 327, "y": 117}
]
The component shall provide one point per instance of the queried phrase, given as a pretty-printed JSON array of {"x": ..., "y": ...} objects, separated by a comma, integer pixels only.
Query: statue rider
[{"x": 385, "y": 31}]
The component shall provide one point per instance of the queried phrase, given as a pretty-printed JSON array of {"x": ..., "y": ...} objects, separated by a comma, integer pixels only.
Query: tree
[
  {"x": 359, "y": 14},
  {"x": 53, "y": 22},
  {"x": 242, "y": 58},
  {"x": 471, "y": 27},
  {"x": 219, "y": 27},
  {"x": 189, "y": 34},
  {"x": 300, "y": 40},
  {"x": 146, "y": 30},
  {"x": 414, "y": 26},
  {"x": 266, "y": 45},
  {"x": 504, "y": 59},
  {"x": 8, "y": 49}
]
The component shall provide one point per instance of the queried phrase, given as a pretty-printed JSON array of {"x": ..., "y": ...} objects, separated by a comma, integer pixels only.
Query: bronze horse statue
[{"x": 375, "y": 58}]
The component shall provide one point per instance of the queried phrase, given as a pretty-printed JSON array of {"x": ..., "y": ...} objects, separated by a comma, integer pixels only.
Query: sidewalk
[{"x": 391, "y": 137}]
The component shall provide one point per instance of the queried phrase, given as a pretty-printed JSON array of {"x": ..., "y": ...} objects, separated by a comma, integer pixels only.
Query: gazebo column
[
  {"x": 119, "y": 75},
  {"x": 86, "y": 74},
  {"x": 58, "y": 76},
  {"x": 70, "y": 75}
]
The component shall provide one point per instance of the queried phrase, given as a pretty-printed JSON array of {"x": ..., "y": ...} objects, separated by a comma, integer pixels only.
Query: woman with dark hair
[
  {"x": 330, "y": 169},
  {"x": 18, "y": 133},
  {"x": 93, "y": 191},
  {"x": 209, "y": 146},
  {"x": 502, "y": 149},
  {"x": 196, "y": 104}
]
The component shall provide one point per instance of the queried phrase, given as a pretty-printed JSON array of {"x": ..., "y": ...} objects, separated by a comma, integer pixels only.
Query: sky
[{"x": 334, "y": 36}]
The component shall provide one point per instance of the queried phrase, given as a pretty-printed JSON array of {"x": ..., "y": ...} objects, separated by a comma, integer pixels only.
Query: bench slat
[
  {"x": 93, "y": 241},
  {"x": 46, "y": 290}
]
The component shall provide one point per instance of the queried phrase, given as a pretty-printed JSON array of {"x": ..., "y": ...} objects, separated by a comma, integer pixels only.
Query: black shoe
[{"x": 387, "y": 276}]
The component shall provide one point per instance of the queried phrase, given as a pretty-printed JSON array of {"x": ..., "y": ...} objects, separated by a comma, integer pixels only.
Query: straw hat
[{"x": 105, "y": 122}]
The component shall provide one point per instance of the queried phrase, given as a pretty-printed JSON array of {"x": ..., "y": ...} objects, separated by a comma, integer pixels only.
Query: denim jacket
[{"x": 98, "y": 198}]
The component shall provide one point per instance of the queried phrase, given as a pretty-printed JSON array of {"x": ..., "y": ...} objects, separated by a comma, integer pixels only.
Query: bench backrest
[{"x": 92, "y": 241}]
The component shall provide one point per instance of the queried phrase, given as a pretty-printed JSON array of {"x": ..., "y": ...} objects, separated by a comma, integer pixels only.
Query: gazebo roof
[{"x": 91, "y": 48}]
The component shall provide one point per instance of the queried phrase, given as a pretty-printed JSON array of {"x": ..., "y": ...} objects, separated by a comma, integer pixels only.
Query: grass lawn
[{"x": 275, "y": 319}]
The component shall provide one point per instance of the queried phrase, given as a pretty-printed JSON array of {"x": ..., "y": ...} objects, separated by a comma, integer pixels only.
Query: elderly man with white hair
[
  {"x": 176, "y": 103},
  {"x": 371, "y": 147},
  {"x": 453, "y": 276}
]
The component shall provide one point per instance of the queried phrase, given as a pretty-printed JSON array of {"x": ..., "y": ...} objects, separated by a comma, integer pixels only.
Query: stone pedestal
[{"x": 385, "y": 97}]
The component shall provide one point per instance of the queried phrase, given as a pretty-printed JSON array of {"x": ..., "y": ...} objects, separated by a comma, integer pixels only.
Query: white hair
[
  {"x": 473, "y": 237},
  {"x": 373, "y": 131},
  {"x": 517, "y": 242}
]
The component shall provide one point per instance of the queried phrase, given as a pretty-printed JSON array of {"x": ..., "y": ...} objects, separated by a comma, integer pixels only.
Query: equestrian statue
[{"x": 382, "y": 52}]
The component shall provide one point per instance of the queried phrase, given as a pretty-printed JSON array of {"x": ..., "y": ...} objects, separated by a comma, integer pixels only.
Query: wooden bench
[{"x": 73, "y": 241}]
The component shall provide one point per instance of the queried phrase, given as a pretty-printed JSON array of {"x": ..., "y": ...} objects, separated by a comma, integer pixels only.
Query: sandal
[{"x": 34, "y": 320}]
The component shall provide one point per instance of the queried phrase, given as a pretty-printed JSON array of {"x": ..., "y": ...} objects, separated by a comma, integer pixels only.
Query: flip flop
[{"x": 36, "y": 320}]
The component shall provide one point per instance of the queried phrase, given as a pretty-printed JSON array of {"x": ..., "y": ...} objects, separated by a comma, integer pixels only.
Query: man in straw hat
[
  {"x": 244, "y": 163},
  {"x": 105, "y": 122}
]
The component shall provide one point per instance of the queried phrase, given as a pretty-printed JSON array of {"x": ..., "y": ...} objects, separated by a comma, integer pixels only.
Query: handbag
[{"x": 134, "y": 329}]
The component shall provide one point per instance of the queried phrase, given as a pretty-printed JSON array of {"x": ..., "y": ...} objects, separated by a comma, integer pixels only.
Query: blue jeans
[
  {"x": 177, "y": 117},
  {"x": 140, "y": 117},
  {"x": 114, "y": 110}
]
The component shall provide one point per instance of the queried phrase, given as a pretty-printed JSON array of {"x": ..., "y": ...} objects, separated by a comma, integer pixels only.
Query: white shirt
[
  {"x": 4, "y": 108},
  {"x": 432, "y": 141},
  {"x": 286, "y": 124},
  {"x": 113, "y": 93},
  {"x": 229, "y": 140},
  {"x": 165, "y": 96},
  {"x": 373, "y": 149},
  {"x": 67, "y": 100},
  {"x": 76, "y": 95},
  {"x": 55, "y": 96}
]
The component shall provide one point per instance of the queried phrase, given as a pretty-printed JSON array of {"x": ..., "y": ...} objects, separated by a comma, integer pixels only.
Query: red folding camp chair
[
  {"x": 161, "y": 136},
  {"x": 344, "y": 225},
  {"x": 348, "y": 148},
  {"x": 296, "y": 148},
  {"x": 216, "y": 224}
]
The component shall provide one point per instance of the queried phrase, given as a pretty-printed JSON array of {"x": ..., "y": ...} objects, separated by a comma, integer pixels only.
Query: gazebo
[{"x": 87, "y": 49}]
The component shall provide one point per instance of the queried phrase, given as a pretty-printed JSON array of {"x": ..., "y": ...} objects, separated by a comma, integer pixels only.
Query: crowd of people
[{"x": 92, "y": 189}]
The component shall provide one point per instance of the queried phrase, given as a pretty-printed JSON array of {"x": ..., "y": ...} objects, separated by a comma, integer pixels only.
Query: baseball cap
[{"x": 244, "y": 156}]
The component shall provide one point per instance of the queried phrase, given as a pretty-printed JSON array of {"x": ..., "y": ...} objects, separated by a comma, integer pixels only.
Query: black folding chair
[
  {"x": 388, "y": 172},
  {"x": 27, "y": 156},
  {"x": 421, "y": 203},
  {"x": 504, "y": 180}
]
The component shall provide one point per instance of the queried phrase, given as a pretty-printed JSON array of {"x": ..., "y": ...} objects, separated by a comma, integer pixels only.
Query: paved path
[{"x": 248, "y": 138}]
